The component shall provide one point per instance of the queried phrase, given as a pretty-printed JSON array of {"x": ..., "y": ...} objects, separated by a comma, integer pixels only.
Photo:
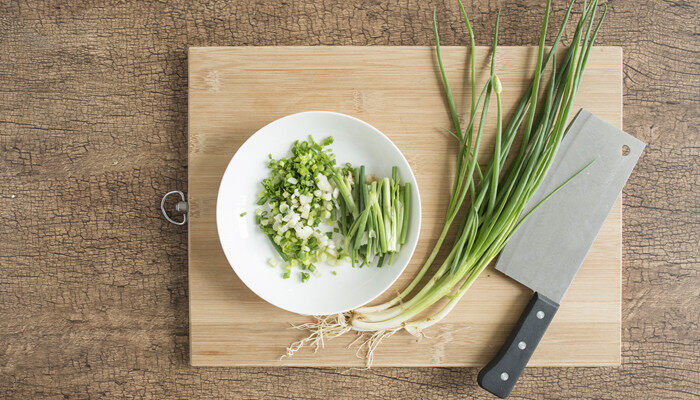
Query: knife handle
[{"x": 501, "y": 373}]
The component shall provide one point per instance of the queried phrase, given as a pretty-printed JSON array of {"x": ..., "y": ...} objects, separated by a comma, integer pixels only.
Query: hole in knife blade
[{"x": 625, "y": 150}]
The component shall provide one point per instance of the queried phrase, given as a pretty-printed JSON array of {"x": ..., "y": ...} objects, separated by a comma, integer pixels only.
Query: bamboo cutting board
[{"x": 234, "y": 91}]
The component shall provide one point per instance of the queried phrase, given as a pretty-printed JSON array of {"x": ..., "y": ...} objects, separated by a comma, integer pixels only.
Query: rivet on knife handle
[{"x": 500, "y": 375}]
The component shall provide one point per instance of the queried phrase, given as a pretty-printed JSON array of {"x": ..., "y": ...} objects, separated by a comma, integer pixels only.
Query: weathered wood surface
[{"x": 93, "y": 283}]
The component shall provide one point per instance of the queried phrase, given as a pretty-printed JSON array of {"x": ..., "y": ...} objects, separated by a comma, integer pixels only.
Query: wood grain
[
  {"x": 93, "y": 130},
  {"x": 233, "y": 91}
]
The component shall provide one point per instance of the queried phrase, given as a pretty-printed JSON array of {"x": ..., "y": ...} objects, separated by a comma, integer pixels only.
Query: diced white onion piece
[
  {"x": 292, "y": 218},
  {"x": 304, "y": 199},
  {"x": 305, "y": 209},
  {"x": 323, "y": 183},
  {"x": 292, "y": 180},
  {"x": 304, "y": 232},
  {"x": 282, "y": 228}
]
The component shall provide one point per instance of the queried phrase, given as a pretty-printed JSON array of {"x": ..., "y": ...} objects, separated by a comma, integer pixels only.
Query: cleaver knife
[{"x": 547, "y": 250}]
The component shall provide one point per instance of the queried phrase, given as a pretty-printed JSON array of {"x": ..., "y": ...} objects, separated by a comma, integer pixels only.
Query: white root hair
[
  {"x": 322, "y": 327},
  {"x": 370, "y": 345},
  {"x": 331, "y": 326}
]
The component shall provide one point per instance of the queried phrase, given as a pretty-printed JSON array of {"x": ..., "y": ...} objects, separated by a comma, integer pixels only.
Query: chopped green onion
[{"x": 306, "y": 192}]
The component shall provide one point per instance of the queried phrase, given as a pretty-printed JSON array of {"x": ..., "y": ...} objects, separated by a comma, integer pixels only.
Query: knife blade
[{"x": 547, "y": 250}]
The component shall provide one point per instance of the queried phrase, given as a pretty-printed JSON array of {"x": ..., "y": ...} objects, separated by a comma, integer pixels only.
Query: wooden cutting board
[{"x": 234, "y": 91}]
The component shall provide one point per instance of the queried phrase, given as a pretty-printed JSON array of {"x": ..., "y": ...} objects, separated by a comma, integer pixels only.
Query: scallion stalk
[{"x": 498, "y": 195}]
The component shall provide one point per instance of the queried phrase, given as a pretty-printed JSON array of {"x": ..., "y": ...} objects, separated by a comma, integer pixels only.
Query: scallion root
[{"x": 323, "y": 327}]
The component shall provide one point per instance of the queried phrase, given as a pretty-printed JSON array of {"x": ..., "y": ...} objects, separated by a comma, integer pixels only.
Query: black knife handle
[{"x": 501, "y": 373}]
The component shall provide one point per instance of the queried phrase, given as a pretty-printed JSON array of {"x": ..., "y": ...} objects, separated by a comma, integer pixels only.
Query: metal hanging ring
[{"x": 181, "y": 207}]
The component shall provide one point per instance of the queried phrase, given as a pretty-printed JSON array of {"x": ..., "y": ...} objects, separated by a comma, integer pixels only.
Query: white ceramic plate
[{"x": 248, "y": 249}]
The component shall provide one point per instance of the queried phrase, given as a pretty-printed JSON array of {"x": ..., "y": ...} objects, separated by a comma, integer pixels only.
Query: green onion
[
  {"x": 491, "y": 201},
  {"x": 376, "y": 229},
  {"x": 406, "y": 211},
  {"x": 498, "y": 201},
  {"x": 341, "y": 184}
]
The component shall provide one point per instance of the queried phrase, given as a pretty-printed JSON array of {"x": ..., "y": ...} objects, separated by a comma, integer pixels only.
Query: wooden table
[{"x": 93, "y": 283}]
